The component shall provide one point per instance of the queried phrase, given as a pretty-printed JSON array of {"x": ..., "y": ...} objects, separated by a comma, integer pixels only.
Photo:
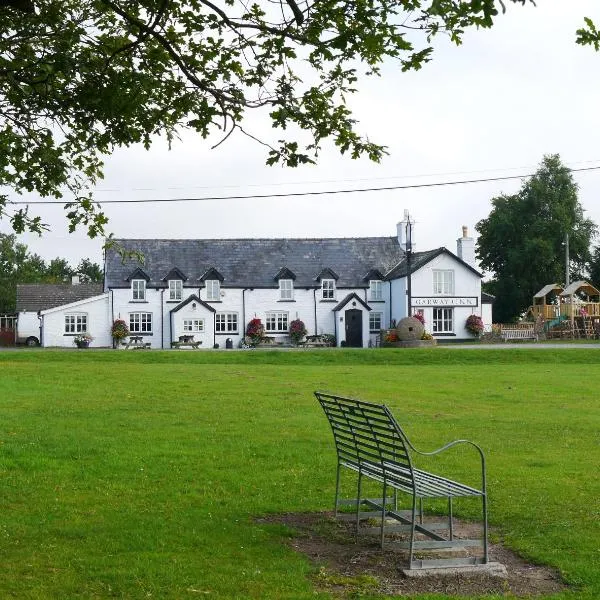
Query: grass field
[{"x": 137, "y": 475}]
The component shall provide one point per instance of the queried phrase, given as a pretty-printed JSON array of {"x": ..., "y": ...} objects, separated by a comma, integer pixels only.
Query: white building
[{"x": 212, "y": 288}]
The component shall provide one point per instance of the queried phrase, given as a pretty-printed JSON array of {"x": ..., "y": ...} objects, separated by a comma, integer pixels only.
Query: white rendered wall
[{"x": 97, "y": 311}]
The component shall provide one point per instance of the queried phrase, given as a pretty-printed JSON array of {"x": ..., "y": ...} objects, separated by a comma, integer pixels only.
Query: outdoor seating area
[
  {"x": 371, "y": 443},
  {"x": 186, "y": 341},
  {"x": 315, "y": 341},
  {"x": 136, "y": 342}
]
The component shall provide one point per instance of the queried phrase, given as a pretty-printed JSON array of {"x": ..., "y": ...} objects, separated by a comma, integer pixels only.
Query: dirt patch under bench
[{"x": 347, "y": 567}]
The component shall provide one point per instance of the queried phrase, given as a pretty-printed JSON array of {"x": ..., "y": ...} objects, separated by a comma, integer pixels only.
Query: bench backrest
[{"x": 368, "y": 438}]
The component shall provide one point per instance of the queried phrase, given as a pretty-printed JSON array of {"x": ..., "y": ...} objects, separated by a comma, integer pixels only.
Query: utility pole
[
  {"x": 567, "y": 275},
  {"x": 408, "y": 262}
]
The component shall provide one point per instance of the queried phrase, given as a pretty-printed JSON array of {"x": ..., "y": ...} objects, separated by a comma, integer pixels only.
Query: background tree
[
  {"x": 81, "y": 77},
  {"x": 90, "y": 272},
  {"x": 58, "y": 271},
  {"x": 521, "y": 243}
]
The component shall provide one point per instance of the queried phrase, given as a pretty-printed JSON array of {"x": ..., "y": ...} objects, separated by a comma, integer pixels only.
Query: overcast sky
[{"x": 489, "y": 108}]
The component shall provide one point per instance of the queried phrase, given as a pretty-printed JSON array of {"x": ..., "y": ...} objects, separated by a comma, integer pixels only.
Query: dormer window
[
  {"x": 138, "y": 289},
  {"x": 376, "y": 289},
  {"x": 213, "y": 289},
  {"x": 286, "y": 289},
  {"x": 175, "y": 289},
  {"x": 328, "y": 289}
]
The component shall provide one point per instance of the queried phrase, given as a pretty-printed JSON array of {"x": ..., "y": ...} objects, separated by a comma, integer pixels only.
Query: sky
[{"x": 492, "y": 107}]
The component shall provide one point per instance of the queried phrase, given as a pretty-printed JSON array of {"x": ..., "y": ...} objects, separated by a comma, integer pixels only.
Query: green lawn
[{"x": 137, "y": 474}]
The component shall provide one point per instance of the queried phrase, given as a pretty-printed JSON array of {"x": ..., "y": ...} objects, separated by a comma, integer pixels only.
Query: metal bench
[
  {"x": 370, "y": 442},
  {"x": 520, "y": 333}
]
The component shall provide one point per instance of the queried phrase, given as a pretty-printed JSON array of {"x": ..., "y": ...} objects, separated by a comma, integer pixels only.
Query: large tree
[
  {"x": 522, "y": 242},
  {"x": 81, "y": 77}
]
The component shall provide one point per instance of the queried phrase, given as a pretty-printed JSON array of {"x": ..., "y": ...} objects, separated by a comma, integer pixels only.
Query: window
[
  {"x": 213, "y": 289},
  {"x": 138, "y": 289},
  {"x": 443, "y": 283},
  {"x": 286, "y": 289},
  {"x": 376, "y": 289},
  {"x": 328, "y": 289},
  {"x": 226, "y": 322},
  {"x": 193, "y": 325},
  {"x": 76, "y": 323},
  {"x": 276, "y": 322},
  {"x": 175, "y": 289},
  {"x": 443, "y": 320},
  {"x": 375, "y": 321},
  {"x": 140, "y": 322}
]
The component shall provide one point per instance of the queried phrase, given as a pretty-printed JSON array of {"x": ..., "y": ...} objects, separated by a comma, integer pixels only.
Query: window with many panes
[
  {"x": 443, "y": 282},
  {"x": 138, "y": 289},
  {"x": 191, "y": 325},
  {"x": 376, "y": 289},
  {"x": 175, "y": 289},
  {"x": 443, "y": 320},
  {"x": 213, "y": 289},
  {"x": 140, "y": 322},
  {"x": 226, "y": 322},
  {"x": 276, "y": 322},
  {"x": 286, "y": 289},
  {"x": 375, "y": 321},
  {"x": 76, "y": 323},
  {"x": 328, "y": 289}
]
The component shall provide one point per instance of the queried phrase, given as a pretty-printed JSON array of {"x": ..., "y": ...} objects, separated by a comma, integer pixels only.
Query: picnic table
[
  {"x": 314, "y": 341},
  {"x": 136, "y": 342},
  {"x": 186, "y": 341}
]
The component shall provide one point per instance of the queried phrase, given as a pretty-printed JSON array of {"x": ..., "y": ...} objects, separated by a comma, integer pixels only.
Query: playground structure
[{"x": 572, "y": 312}]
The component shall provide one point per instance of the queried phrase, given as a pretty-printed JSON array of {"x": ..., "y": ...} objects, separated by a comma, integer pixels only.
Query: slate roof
[
  {"x": 420, "y": 259},
  {"x": 42, "y": 296},
  {"x": 254, "y": 263}
]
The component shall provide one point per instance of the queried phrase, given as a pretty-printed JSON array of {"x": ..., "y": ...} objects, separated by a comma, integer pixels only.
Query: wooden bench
[
  {"x": 370, "y": 442},
  {"x": 136, "y": 342},
  {"x": 518, "y": 333},
  {"x": 314, "y": 341},
  {"x": 186, "y": 341}
]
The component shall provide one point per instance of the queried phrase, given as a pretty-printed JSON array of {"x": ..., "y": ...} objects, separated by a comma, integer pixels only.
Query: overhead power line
[{"x": 299, "y": 194}]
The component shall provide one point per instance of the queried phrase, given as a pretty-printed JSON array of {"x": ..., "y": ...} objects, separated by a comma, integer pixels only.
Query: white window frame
[
  {"x": 277, "y": 321},
  {"x": 286, "y": 289},
  {"x": 140, "y": 322},
  {"x": 175, "y": 289},
  {"x": 76, "y": 323},
  {"x": 226, "y": 322},
  {"x": 443, "y": 320},
  {"x": 138, "y": 289},
  {"x": 213, "y": 290},
  {"x": 193, "y": 325},
  {"x": 376, "y": 289},
  {"x": 443, "y": 282},
  {"x": 374, "y": 319},
  {"x": 328, "y": 289}
]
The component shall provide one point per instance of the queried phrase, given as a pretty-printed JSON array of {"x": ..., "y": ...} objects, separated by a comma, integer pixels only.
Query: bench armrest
[{"x": 450, "y": 445}]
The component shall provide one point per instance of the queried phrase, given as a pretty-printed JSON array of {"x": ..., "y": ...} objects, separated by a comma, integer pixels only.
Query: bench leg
[
  {"x": 383, "y": 512},
  {"x": 412, "y": 532},
  {"x": 337, "y": 491},
  {"x": 485, "y": 528},
  {"x": 450, "y": 523},
  {"x": 358, "y": 489}
]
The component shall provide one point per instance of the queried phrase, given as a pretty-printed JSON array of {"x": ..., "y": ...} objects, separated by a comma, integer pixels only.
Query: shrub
[
  {"x": 119, "y": 330},
  {"x": 474, "y": 324},
  {"x": 255, "y": 331},
  {"x": 297, "y": 331}
]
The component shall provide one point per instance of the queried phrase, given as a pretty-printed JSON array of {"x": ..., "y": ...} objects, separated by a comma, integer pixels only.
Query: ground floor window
[
  {"x": 76, "y": 323},
  {"x": 277, "y": 322},
  {"x": 140, "y": 322},
  {"x": 375, "y": 321},
  {"x": 193, "y": 325},
  {"x": 443, "y": 320},
  {"x": 226, "y": 322}
]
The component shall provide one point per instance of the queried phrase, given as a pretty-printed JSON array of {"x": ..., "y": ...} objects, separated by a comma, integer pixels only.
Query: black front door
[{"x": 354, "y": 332}]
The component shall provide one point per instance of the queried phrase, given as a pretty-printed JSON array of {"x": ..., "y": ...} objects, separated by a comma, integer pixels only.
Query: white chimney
[
  {"x": 75, "y": 280},
  {"x": 406, "y": 231},
  {"x": 465, "y": 248}
]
